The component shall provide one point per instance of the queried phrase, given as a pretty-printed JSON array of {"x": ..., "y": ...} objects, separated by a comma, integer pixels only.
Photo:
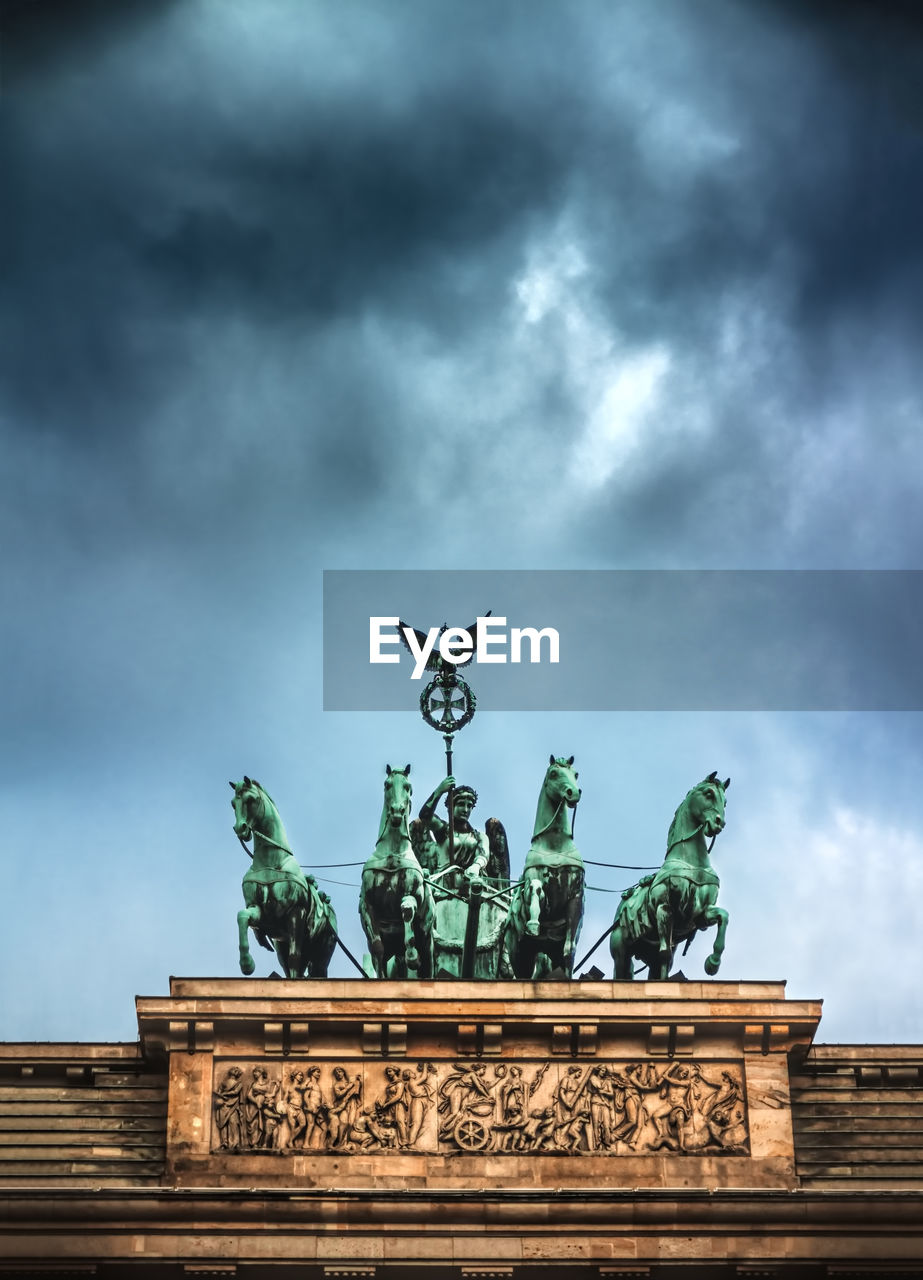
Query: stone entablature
[{"x": 367, "y": 1082}]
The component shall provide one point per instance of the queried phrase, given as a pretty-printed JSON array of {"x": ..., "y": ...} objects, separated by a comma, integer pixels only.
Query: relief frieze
[{"x": 465, "y": 1107}]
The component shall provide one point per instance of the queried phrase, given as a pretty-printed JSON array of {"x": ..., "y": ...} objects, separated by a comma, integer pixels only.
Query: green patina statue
[
  {"x": 285, "y": 908},
  {"x": 546, "y": 912},
  {"x": 469, "y": 871},
  {"x": 436, "y": 898},
  {"x": 673, "y": 904},
  {"x": 396, "y": 903},
  {"x": 479, "y": 854}
]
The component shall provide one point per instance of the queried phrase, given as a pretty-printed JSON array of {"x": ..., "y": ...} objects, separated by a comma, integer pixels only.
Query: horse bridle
[
  {"x": 253, "y": 833},
  {"x": 562, "y": 804},
  {"x": 692, "y": 835}
]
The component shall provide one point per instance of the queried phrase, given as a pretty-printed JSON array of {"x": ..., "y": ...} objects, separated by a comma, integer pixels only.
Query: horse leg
[
  {"x": 664, "y": 920},
  {"x": 533, "y": 888},
  {"x": 718, "y": 916},
  {"x": 506, "y": 967},
  {"x": 572, "y": 921},
  {"x": 664, "y": 947},
  {"x": 325, "y": 944},
  {"x": 425, "y": 923},
  {"x": 411, "y": 954},
  {"x": 245, "y": 918},
  {"x": 289, "y": 912},
  {"x": 621, "y": 956},
  {"x": 372, "y": 931}
]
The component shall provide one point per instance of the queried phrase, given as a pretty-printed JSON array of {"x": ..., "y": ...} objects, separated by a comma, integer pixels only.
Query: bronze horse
[
  {"x": 396, "y": 904},
  {"x": 546, "y": 912},
  {"x": 672, "y": 904},
  {"x": 284, "y": 908}
]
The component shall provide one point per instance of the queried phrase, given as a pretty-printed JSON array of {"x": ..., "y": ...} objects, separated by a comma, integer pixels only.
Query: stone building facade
[{"x": 377, "y": 1129}]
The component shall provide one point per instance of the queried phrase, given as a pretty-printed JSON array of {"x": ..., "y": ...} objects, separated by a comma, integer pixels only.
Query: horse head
[
  {"x": 559, "y": 793},
  {"x": 561, "y": 782},
  {"x": 701, "y": 811},
  {"x": 255, "y": 812},
  {"x": 395, "y": 814},
  {"x": 247, "y": 805}
]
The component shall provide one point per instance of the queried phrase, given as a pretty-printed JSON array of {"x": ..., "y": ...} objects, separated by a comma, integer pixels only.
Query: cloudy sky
[{"x": 308, "y": 285}]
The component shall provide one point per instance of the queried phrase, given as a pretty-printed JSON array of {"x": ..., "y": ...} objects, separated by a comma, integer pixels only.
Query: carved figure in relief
[
  {"x": 703, "y": 1097},
  {"x": 467, "y": 1103},
  {"x": 395, "y": 903},
  {"x": 259, "y": 1097},
  {"x": 273, "y": 1111},
  {"x": 391, "y": 1110},
  {"x": 546, "y": 911},
  {"x": 665, "y": 1105},
  {"x": 228, "y": 1114},
  {"x": 509, "y": 1092},
  {"x": 627, "y": 1107},
  {"x": 671, "y": 905},
  {"x": 727, "y": 1130},
  {"x": 572, "y": 1110},
  {"x": 293, "y": 1120},
  {"x": 463, "y": 1088},
  {"x": 364, "y": 1132},
  {"x": 726, "y": 1097},
  {"x": 601, "y": 1095},
  {"x": 538, "y": 1134},
  {"x": 315, "y": 1110},
  {"x": 342, "y": 1112},
  {"x": 418, "y": 1093},
  {"x": 513, "y": 1093}
]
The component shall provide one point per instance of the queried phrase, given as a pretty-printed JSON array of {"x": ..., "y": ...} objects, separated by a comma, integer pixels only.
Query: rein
[
  {"x": 275, "y": 844},
  {"x": 562, "y": 804},
  {"x": 692, "y": 835}
]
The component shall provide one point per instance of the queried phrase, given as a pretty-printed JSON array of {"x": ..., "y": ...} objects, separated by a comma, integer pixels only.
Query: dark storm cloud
[
  {"x": 807, "y": 226},
  {"x": 124, "y": 219},
  {"x": 213, "y": 220}
]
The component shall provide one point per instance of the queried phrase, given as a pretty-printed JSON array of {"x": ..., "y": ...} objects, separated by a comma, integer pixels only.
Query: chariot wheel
[{"x": 471, "y": 1134}]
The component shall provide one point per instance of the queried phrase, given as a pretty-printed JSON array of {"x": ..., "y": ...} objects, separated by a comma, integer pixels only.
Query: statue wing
[
  {"x": 423, "y": 845},
  {"x": 434, "y": 662},
  {"x": 472, "y": 633},
  {"x": 499, "y": 849},
  {"x": 405, "y": 626}
]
